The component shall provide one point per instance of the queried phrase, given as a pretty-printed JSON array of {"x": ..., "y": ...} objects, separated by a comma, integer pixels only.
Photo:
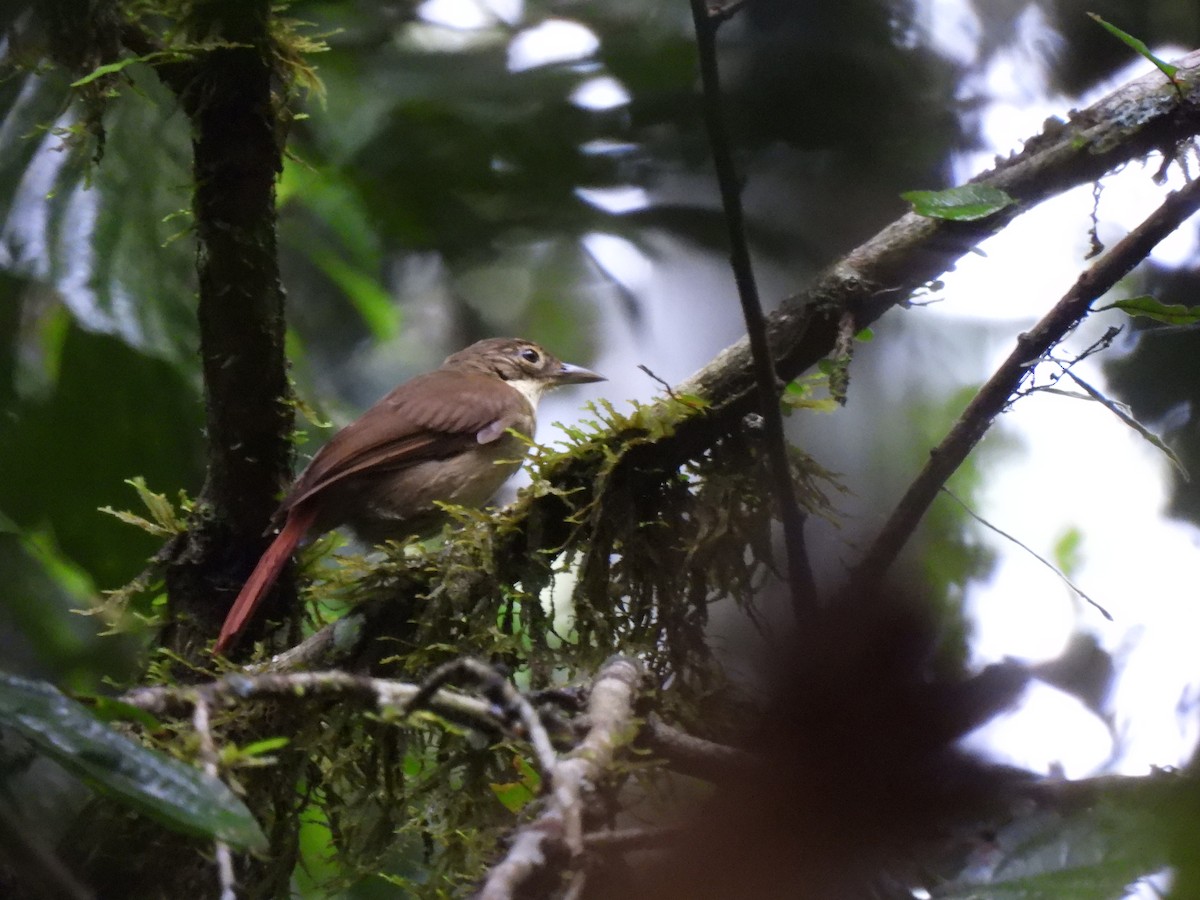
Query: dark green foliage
[
  {"x": 108, "y": 414},
  {"x": 961, "y": 204},
  {"x": 169, "y": 791}
]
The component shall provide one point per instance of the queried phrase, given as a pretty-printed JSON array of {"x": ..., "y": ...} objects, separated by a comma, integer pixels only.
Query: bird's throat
[{"x": 531, "y": 389}]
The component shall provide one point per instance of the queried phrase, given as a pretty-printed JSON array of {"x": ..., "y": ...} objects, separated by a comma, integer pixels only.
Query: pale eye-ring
[{"x": 531, "y": 356}]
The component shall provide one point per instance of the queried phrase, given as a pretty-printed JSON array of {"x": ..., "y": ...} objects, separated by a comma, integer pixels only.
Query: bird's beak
[{"x": 569, "y": 374}]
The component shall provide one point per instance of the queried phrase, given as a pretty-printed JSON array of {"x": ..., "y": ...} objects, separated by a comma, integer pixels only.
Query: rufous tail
[{"x": 299, "y": 520}]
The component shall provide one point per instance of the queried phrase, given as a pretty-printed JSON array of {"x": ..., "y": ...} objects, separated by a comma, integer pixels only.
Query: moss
[{"x": 644, "y": 554}]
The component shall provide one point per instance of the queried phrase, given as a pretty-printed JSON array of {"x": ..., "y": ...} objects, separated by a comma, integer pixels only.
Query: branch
[
  {"x": 210, "y": 760},
  {"x": 697, "y": 757},
  {"x": 502, "y": 694},
  {"x": 560, "y": 821},
  {"x": 800, "y": 578},
  {"x": 1143, "y": 116},
  {"x": 994, "y": 395},
  {"x": 311, "y": 687},
  {"x": 1139, "y": 118},
  {"x": 625, "y": 840},
  {"x": 568, "y": 778}
]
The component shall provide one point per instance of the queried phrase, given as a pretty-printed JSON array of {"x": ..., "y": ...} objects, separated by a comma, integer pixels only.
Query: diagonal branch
[
  {"x": 1143, "y": 116},
  {"x": 945, "y": 459},
  {"x": 1079, "y": 592}
]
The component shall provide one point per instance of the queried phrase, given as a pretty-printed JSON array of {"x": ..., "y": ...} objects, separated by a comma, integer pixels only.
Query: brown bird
[{"x": 442, "y": 437}]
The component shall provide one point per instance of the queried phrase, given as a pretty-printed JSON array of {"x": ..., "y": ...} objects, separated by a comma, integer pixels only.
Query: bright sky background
[{"x": 1079, "y": 465}]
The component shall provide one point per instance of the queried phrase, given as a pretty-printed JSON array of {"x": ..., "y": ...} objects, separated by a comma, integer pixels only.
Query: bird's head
[{"x": 524, "y": 365}]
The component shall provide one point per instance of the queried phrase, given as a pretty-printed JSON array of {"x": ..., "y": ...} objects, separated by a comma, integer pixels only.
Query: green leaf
[
  {"x": 114, "y": 67},
  {"x": 150, "y": 423},
  {"x": 1172, "y": 314},
  {"x": 171, "y": 792},
  {"x": 116, "y": 269},
  {"x": 515, "y": 795},
  {"x": 1068, "y": 551},
  {"x": 959, "y": 204},
  {"x": 107, "y": 709},
  {"x": 160, "y": 507},
  {"x": 267, "y": 745},
  {"x": 376, "y": 306},
  {"x": 1138, "y": 46},
  {"x": 802, "y": 394}
]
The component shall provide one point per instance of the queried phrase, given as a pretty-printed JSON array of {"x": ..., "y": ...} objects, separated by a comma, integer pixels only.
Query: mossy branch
[{"x": 649, "y": 448}]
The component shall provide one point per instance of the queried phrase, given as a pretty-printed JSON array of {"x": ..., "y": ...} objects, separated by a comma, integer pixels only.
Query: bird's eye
[{"x": 531, "y": 356}]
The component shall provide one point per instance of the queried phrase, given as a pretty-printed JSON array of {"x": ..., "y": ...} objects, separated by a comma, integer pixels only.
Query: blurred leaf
[
  {"x": 114, "y": 67},
  {"x": 373, "y": 302},
  {"x": 1092, "y": 851},
  {"x": 316, "y": 864},
  {"x": 801, "y": 394},
  {"x": 1148, "y": 307},
  {"x": 516, "y": 795},
  {"x": 28, "y": 103},
  {"x": 113, "y": 412},
  {"x": 266, "y": 745},
  {"x": 62, "y": 569},
  {"x": 1068, "y": 551},
  {"x": 334, "y": 234},
  {"x": 331, "y": 197},
  {"x": 960, "y": 204},
  {"x": 119, "y": 272},
  {"x": 169, "y": 791},
  {"x": 109, "y": 709},
  {"x": 42, "y": 634},
  {"x": 1137, "y": 46}
]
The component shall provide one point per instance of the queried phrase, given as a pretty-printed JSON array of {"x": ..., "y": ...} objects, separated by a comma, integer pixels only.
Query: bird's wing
[{"x": 432, "y": 416}]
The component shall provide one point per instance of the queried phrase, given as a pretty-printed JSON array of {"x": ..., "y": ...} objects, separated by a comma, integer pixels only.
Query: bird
[{"x": 450, "y": 436}]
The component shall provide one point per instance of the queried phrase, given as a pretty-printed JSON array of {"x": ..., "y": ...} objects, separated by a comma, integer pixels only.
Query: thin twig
[
  {"x": 666, "y": 385},
  {"x": 1125, "y": 416},
  {"x": 311, "y": 687},
  {"x": 560, "y": 820},
  {"x": 1045, "y": 562},
  {"x": 799, "y": 570},
  {"x": 501, "y": 692},
  {"x": 210, "y": 762},
  {"x": 992, "y": 398}
]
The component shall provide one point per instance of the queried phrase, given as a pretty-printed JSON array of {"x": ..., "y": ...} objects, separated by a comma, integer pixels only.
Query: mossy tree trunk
[
  {"x": 234, "y": 91},
  {"x": 233, "y": 95}
]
